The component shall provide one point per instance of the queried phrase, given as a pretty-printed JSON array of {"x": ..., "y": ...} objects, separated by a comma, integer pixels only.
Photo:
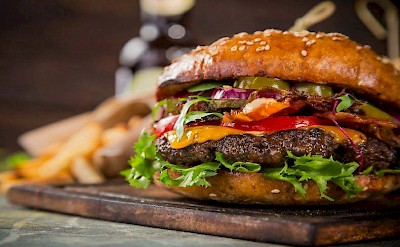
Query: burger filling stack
[{"x": 279, "y": 118}]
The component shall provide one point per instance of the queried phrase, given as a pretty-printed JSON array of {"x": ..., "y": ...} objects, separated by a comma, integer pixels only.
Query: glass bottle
[{"x": 163, "y": 36}]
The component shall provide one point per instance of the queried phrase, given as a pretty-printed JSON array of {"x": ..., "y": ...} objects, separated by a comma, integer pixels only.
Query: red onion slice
[
  {"x": 235, "y": 93},
  {"x": 396, "y": 116},
  {"x": 230, "y": 93}
]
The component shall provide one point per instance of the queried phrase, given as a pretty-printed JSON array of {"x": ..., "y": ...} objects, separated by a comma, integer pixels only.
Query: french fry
[
  {"x": 30, "y": 168},
  {"x": 7, "y": 175},
  {"x": 134, "y": 122},
  {"x": 111, "y": 135},
  {"x": 118, "y": 110},
  {"x": 60, "y": 178},
  {"x": 38, "y": 141},
  {"x": 82, "y": 143},
  {"x": 84, "y": 172}
]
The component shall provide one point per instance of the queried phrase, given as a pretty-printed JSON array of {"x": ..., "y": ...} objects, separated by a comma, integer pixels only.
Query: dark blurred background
[{"x": 58, "y": 57}]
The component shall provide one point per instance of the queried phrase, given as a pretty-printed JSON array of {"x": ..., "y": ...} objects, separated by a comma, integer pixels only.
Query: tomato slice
[
  {"x": 278, "y": 123},
  {"x": 164, "y": 125},
  {"x": 270, "y": 124}
]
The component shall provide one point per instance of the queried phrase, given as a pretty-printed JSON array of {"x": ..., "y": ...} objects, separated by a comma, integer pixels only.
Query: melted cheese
[
  {"x": 201, "y": 134},
  {"x": 355, "y": 136}
]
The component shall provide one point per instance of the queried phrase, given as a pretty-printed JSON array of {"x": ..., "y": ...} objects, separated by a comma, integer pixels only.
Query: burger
[{"x": 278, "y": 118}]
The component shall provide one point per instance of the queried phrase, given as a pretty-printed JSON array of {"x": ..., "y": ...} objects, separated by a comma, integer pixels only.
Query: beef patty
[{"x": 270, "y": 149}]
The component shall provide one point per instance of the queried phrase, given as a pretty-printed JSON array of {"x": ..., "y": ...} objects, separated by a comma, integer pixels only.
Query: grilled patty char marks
[{"x": 270, "y": 150}]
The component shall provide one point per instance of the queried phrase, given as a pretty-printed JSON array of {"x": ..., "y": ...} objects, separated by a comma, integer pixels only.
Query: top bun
[{"x": 326, "y": 58}]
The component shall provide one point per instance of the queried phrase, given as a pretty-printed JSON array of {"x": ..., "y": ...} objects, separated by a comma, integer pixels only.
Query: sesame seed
[
  {"x": 212, "y": 195},
  {"x": 310, "y": 42},
  {"x": 257, "y": 32},
  {"x": 365, "y": 189},
  {"x": 222, "y": 42},
  {"x": 249, "y": 43},
  {"x": 260, "y": 48},
  {"x": 242, "y": 42},
  {"x": 286, "y": 32},
  {"x": 358, "y": 47},
  {"x": 256, "y": 39},
  {"x": 378, "y": 58},
  {"x": 337, "y": 38},
  {"x": 305, "y": 39},
  {"x": 242, "y": 48},
  {"x": 263, "y": 43},
  {"x": 267, "y": 47},
  {"x": 275, "y": 191},
  {"x": 301, "y": 33},
  {"x": 319, "y": 35},
  {"x": 234, "y": 48},
  {"x": 241, "y": 34},
  {"x": 385, "y": 60},
  {"x": 367, "y": 47},
  {"x": 337, "y": 35},
  {"x": 303, "y": 53}
]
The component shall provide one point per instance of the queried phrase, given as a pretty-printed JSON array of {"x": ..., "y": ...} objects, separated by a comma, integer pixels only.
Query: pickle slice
[
  {"x": 260, "y": 82},
  {"x": 314, "y": 89},
  {"x": 374, "y": 112}
]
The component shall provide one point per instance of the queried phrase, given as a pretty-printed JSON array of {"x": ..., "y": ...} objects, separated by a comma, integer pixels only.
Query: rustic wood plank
[{"x": 160, "y": 208}]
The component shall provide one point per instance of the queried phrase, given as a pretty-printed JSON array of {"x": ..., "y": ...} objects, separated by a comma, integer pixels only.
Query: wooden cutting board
[{"x": 156, "y": 207}]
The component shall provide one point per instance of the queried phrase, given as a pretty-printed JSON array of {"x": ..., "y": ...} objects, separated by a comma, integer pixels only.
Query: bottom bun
[{"x": 254, "y": 188}]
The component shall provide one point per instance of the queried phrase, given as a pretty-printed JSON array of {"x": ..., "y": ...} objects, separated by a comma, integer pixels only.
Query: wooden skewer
[
  {"x": 392, "y": 22},
  {"x": 317, "y": 14}
]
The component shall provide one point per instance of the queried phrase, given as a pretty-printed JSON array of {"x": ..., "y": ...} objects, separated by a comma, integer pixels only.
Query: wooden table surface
[{"x": 22, "y": 227}]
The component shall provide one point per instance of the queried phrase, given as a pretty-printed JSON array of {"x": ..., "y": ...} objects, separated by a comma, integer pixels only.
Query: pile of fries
[{"x": 96, "y": 148}]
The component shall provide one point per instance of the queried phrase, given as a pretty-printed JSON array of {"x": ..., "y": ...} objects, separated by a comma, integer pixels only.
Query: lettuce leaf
[
  {"x": 12, "y": 161},
  {"x": 142, "y": 164},
  {"x": 196, "y": 175},
  {"x": 382, "y": 172},
  {"x": 308, "y": 167},
  {"x": 318, "y": 169},
  {"x": 245, "y": 167},
  {"x": 190, "y": 176}
]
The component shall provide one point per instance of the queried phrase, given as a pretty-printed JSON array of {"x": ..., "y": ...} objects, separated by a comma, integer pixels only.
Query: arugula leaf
[
  {"x": 182, "y": 119},
  {"x": 245, "y": 167},
  {"x": 204, "y": 86},
  {"x": 169, "y": 104},
  {"x": 190, "y": 176},
  {"x": 319, "y": 169},
  {"x": 382, "y": 172},
  {"x": 157, "y": 107},
  {"x": 143, "y": 165},
  {"x": 345, "y": 103},
  {"x": 196, "y": 115}
]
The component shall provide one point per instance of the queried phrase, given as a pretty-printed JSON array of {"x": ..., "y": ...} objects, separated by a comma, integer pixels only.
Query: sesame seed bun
[
  {"x": 326, "y": 58},
  {"x": 254, "y": 188}
]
